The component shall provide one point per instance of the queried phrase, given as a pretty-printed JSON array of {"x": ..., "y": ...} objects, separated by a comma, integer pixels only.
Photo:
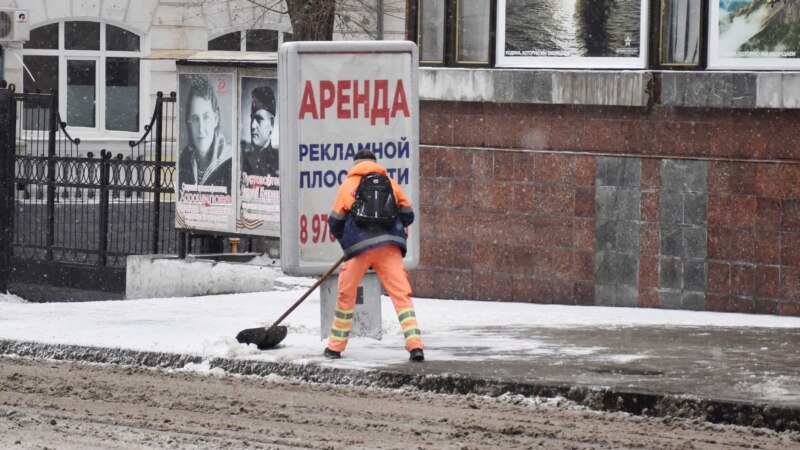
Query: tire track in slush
[{"x": 48, "y": 404}]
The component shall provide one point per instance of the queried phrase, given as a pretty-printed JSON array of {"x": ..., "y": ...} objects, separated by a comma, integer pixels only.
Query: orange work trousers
[{"x": 387, "y": 261}]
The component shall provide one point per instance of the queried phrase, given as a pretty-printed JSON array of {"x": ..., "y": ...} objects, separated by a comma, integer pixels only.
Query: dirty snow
[{"x": 206, "y": 326}]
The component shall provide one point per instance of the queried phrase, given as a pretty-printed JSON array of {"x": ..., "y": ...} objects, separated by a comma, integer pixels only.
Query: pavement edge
[{"x": 597, "y": 398}]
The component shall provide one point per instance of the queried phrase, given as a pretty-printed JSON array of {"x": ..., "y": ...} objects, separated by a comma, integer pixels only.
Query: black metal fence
[
  {"x": 77, "y": 215},
  {"x": 6, "y": 184}
]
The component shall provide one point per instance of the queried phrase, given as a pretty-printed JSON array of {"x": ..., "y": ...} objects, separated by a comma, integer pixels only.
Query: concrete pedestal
[
  {"x": 155, "y": 276},
  {"x": 367, "y": 317}
]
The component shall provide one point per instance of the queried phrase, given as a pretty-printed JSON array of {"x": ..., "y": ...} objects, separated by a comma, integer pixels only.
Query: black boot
[
  {"x": 416, "y": 355},
  {"x": 330, "y": 354}
]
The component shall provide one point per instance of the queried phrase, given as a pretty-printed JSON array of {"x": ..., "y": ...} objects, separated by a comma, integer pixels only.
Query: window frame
[
  {"x": 451, "y": 33},
  {"x": 63, "y": 89},
  {"x": 457, "y": 34},
  {"x": 243, "y": 36},
  {"x": 417, "y": 37},
  {"x": 100, "y": 56},
  {"x": 657, "y": 39}
]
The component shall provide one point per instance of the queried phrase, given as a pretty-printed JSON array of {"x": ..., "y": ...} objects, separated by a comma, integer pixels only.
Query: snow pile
[
  {"x": 202, "y": 368},
  {"x": 11, "y": 298},
  {"x": 206, "y": 326}
]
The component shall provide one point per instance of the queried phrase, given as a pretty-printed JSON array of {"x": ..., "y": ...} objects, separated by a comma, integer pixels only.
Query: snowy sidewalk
[{"x": 734, "y": 368}]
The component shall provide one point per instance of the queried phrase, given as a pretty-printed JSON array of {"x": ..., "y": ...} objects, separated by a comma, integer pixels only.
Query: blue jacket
[{"x": 354, "y": 239}]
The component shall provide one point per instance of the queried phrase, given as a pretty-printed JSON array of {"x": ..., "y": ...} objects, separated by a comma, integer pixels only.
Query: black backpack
[{"x": 375, "y": 207}]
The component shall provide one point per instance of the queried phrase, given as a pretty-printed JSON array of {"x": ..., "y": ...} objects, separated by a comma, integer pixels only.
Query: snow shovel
[{"x": 267, "y": 338}]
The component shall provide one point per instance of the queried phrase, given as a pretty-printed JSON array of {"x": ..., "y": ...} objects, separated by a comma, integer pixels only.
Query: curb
[{"x": 598, "y": 398}]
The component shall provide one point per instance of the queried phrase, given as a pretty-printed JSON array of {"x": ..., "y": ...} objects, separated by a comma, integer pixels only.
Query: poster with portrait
[
  {"x": 258, "y": 208},
  {"x": 205, "y": 162},
  {"x": 572, "y": 33},
  {"x": 754, "y": 34}
]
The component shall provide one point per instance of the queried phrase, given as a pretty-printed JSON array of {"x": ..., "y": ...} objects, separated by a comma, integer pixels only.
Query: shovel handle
[{"x": 308, "y": 292}]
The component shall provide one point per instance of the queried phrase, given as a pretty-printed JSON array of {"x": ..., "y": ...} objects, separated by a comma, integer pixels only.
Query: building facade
[
  {"x": 660, "y": 168},
  {"x": 99, "y": 54},
  {"x": 656, "y": 167}
]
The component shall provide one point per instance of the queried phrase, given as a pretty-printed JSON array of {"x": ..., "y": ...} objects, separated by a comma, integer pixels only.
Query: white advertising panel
[
  {"x": 336, "y": 99},
  {"x": 205, "y": 163},
  {"x": 572, "y": 33},
  {"x": 754, "y": 34}
]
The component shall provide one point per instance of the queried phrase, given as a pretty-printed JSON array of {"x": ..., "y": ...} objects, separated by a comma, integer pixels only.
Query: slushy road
[{"x": 48, "y": 404}]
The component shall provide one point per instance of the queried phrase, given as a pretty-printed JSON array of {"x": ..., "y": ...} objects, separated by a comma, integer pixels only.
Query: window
[
  {"x": 260, "y": 40},
  {"x": 122, "y": 87},
  {"x": 82, "y": 36},
  {"x": 453, "y": 32},
  {"x": 45, "y": 37},
  {"x": 95, "y": 69},
  {"x": 230, "y": 42},
  {"x": 584, "y": 34},
  {"x": 472, "y": 31},
  {"x": 430, "y": 35},
  {"x": 681, "y": 22},
  {"x": 81, "y": 92}
]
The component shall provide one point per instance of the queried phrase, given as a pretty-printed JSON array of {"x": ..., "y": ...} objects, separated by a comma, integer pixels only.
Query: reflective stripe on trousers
[{"x": 387, "y": 261}]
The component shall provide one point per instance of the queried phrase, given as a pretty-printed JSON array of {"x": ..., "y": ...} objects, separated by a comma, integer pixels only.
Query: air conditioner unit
[{"x": 14, "y": 25}]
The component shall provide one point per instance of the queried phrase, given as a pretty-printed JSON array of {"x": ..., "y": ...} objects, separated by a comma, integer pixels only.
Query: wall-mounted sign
[
  {"x": 754, "y": 34},
  {"x": 336, "y": 99},
  {"x": 572, "y": 33}
]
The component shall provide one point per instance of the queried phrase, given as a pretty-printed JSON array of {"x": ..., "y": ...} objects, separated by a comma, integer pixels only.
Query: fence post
[
  {"x": 7, "y": 129},
  {"x": 51, "y": 175},
  {"x": 157, "y": 181},
  {"x": 102, "y": 245}
]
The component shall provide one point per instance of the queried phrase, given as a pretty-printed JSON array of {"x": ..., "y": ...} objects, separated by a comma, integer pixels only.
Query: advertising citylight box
[
  {"x": 754, "y": 34},
  {"x": 228, "y": 178},
  {"x": 572, "y": 33},
  {"x": 338, "y": 98}
]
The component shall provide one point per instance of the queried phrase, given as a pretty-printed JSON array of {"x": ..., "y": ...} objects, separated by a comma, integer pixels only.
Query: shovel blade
[{"x": 263, "y": 338}]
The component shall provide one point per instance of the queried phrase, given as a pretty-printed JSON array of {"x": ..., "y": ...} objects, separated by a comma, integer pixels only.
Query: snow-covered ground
[{"x": 206, "y": 326}]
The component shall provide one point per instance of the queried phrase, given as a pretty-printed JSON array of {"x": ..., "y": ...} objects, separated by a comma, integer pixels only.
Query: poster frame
[
  {"x": 572, "y": 62},
  {"x": 232, "y": 123},
  {"x": 715, "y": 61},
  {"x": 243, "y": 119}
]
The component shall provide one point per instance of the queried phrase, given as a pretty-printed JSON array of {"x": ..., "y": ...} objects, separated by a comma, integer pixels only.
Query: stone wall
[{"x": 652, "y": 206}]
